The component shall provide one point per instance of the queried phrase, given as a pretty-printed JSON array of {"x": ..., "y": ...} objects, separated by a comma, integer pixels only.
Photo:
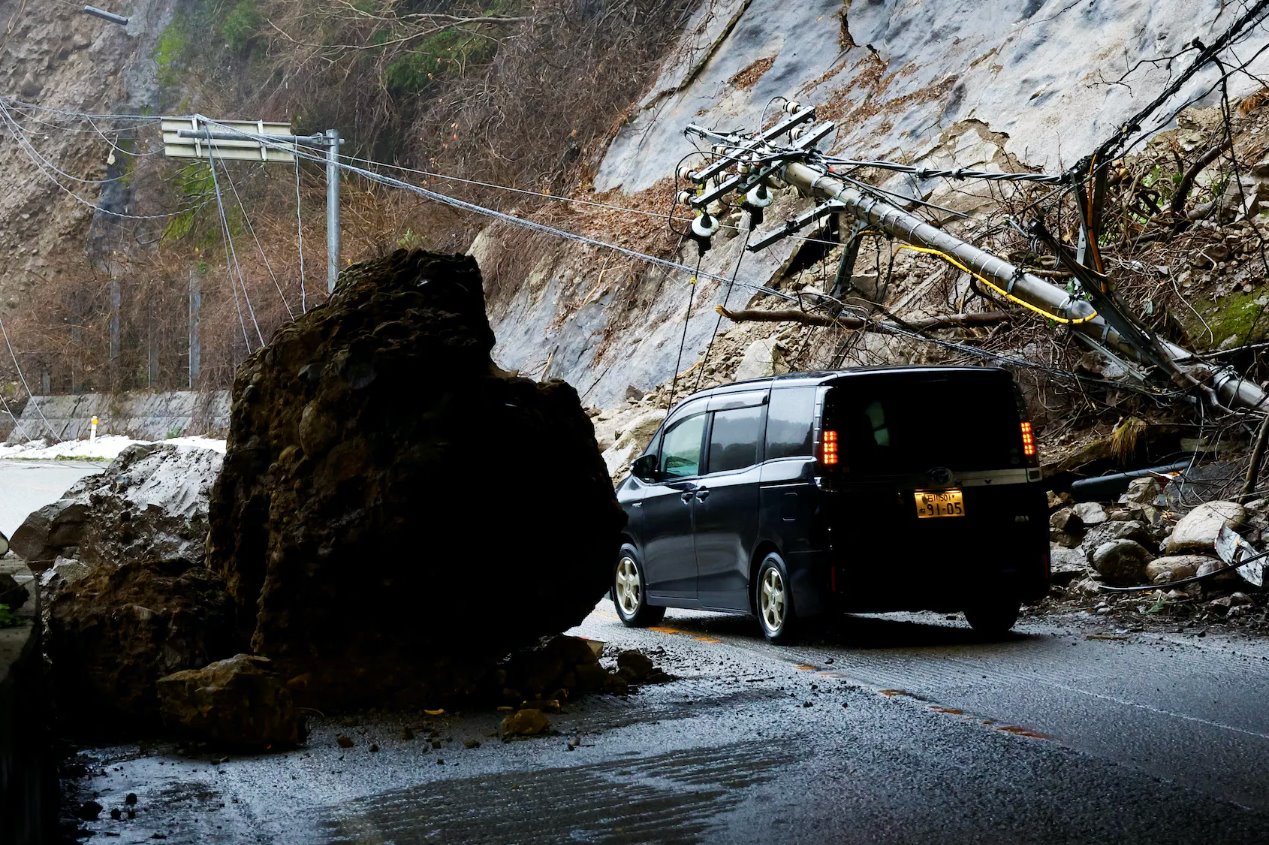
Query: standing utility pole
[{"x": 757, "y": 161}]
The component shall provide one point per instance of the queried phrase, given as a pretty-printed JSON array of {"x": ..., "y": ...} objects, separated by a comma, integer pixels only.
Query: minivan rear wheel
[
  {"x": 993, "y": 615},
  {"x": 628, "y": 594},
  {"x": 773, "y": 601}
]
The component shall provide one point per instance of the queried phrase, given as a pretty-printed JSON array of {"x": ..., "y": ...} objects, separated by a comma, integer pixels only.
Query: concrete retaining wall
[{"x": 145, "y": 416}]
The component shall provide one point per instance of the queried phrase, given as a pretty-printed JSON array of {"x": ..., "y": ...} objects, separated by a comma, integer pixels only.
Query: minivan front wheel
[
  {"x": 773, "y": 601},
  {"x": 993, "y": 615},
  {"x": 628, "y": 594}
]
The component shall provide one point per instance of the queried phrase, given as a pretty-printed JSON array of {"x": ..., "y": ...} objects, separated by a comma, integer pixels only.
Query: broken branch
[
  {"x": 1187, "y": 179},
  {"x": 950, "y": 321}
]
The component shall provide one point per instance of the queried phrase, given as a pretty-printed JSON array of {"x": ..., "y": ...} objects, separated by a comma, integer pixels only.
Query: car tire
[
  {"x": 993, "y": 616},
  {"x": 773, "y": 601},
  {"x": 628, "y": 594}
]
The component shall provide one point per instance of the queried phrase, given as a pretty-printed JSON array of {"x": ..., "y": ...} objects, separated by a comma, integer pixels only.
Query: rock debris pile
[{"x": 1149, "y": 538}]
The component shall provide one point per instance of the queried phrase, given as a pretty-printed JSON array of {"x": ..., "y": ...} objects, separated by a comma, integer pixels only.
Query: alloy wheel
[
  {"x": 771, "y": 599},
  {"x": 627, "y": 586}
]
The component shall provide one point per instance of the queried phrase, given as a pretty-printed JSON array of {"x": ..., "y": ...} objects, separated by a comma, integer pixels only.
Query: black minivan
[{"x": 868, "y": 490}]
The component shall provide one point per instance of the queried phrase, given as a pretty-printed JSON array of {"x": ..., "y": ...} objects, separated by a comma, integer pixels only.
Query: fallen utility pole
[{"x": 756, "y": 160}]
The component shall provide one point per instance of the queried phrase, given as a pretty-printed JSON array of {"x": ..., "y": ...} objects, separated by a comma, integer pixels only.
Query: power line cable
[
  {"x": 139, "y": 118},
  {"x": 27, "y": 387},
  {"x": 34, "y": 157},
  {"x": 246, "y": 219},
  {"x": 687, "y": 318},
  {"x": 726, "y": 298},
  {"x": 231, "y": 259},
  {"x": 474, "y": 208},
  {"x": 1113, "y": 144},
  {"x": 299, "y": 234},
  {"x": 17, "y": 423}
]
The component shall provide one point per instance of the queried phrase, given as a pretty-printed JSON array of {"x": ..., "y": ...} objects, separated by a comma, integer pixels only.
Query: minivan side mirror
[{"x": 645, "y": 468}]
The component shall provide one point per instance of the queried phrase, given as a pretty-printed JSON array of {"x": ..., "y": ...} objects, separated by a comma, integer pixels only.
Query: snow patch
[{"x": 107, "y": 447}]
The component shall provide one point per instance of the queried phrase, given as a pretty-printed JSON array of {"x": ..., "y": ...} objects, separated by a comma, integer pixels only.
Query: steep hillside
[
  {"x": 571, "y": 113},
  {"x": 1033, "y": 86}
]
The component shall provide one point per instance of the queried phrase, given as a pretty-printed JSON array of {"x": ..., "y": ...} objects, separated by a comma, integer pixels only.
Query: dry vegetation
[{"x": 522, "y": 93}]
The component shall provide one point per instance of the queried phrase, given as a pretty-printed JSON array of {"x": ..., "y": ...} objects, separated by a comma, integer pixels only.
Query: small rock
[
  {"x": 344, "y": 741},
  {"x": 1121, "y": 562},
  {"x": 374, "y": 747},
  {"x": 471, "y": 743},
  {"x": 89, "y": 811},
  {"x": 130, "y": 799},
  {"x": 1239, "y": 600},
  {"x": 527, "y": 722},
  {"x": 1113, "y": 530},
  {"x": 1165, "y": 570},
  {"x": 1143, "y": 491},
  {"x": 635, "y": 665},
  {"x": 1066, "y": 521},
  {"x": 116, "y": 813},
  {"x": 1227, "y": 579},
  {"x": 1090, "y": 513}
]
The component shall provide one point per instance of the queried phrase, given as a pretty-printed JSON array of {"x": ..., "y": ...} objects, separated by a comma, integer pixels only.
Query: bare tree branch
[{"x": 950, "y": 321}]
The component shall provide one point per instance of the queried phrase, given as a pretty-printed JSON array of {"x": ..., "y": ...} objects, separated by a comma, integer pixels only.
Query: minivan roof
[{"x": 824, "y": 376}]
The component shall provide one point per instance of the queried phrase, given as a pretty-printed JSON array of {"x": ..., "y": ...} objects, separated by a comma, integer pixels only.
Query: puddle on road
[{"x": 614, "y": 801}]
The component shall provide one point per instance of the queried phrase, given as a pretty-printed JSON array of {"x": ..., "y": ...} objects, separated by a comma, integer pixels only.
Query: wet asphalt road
[
  {"x": 27, "y": 486},
  {"x": 888, "y": 729}
]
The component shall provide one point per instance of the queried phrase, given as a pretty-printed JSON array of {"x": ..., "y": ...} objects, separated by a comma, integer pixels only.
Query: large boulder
[
  {"x": 239, "y": 702},
  {"x": 46, "y": 533},
  {"x": 149, "y": 503},
  {"x": 1197, "y": 531},
  {"x": 114, "y": 632},
  {"x": 392, "y": 503}
]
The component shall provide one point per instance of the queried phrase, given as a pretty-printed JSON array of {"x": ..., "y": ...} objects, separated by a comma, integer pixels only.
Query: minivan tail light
[
  {"x": 1028, "y": 441},
  {"x": 828, "y": 448}
]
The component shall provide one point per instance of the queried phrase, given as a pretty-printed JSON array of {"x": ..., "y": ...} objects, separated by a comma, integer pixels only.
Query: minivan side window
[
  {"x": 735, "y": 438},
  {"x": 681, "y": 448},
  {"x": 789, "y": 419}
]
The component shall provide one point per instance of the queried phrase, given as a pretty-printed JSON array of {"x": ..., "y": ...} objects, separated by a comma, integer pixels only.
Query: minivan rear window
[
  {"x": 961, "y": 421},
  {"x": 789, "y": 416}
]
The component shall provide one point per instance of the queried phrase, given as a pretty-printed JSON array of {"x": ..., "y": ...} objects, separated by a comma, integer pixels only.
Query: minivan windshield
[{"x": 891, "y": 424}]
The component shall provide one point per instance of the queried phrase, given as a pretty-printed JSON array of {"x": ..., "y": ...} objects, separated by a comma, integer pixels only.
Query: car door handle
[
  {"x": 702, "y": 494},
  {"x": 687, "y": 497}
]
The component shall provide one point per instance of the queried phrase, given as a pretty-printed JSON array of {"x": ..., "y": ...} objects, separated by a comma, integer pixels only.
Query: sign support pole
[{"x": 332, "y": 208}]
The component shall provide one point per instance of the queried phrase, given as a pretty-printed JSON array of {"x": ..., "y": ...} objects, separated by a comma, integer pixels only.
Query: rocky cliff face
[
  {"x": 60, "y": 58},
  {"x": 1030, "y": 84}
]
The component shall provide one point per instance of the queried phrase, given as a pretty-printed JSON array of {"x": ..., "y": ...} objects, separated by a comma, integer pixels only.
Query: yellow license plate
[{"x": 943, "y": 503}]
